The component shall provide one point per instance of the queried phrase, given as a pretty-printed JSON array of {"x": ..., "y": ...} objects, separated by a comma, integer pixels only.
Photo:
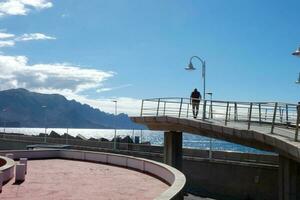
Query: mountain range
[{"x": 22, "y": 108}]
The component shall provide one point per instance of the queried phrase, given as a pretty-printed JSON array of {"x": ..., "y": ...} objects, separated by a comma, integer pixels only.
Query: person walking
[{"x": 195, "y": 101}]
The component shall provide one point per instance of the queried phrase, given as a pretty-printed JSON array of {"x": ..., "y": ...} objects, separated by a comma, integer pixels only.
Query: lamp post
[
  {"x": 297, "y": 53},
  {"x": 4, "y": 119},
  {"x": 115, "y": 136},
  {"x": 45, "y": 123},
  {"x": 191, "y": 67}
]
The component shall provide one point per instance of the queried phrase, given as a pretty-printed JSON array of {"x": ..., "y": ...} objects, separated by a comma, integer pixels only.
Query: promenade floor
[{"x": 76, "y": 180}]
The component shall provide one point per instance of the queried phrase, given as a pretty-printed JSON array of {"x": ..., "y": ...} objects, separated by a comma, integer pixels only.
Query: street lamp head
[
  {"x": 190, "y": 67},
  {"x": 297, "y": 52}
]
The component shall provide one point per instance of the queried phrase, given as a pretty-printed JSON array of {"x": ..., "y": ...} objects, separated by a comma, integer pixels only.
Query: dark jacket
[{"x": 196, "y": 96}]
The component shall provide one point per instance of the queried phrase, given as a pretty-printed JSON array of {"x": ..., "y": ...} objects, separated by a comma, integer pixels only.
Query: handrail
[
  {"x": 225, "y": 101},
  {"x": 271, "y": 113}
]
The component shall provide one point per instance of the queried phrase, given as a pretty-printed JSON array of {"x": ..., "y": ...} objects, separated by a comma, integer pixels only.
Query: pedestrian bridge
[{"x": 271, "y": 126}]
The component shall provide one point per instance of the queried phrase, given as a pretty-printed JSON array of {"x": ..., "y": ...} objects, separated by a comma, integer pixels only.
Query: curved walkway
[{"x": 257, "y": 137}]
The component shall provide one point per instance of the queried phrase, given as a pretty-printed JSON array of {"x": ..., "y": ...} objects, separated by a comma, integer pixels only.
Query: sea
[{"x": 154, "y": 137}]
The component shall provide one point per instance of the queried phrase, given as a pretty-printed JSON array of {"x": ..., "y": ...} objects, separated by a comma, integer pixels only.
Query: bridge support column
[
  {"x": 173, "y": 149},
  {"x": 289, "y": 179}
]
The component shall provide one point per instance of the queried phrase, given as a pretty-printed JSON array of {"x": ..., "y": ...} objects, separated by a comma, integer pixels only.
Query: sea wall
[{"x": 227, "y": 175}]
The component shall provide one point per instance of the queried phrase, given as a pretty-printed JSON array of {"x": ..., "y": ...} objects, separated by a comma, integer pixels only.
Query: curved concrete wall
[
  {"x": 168, "y": 174},
  {"x": 7, "y": 166}
]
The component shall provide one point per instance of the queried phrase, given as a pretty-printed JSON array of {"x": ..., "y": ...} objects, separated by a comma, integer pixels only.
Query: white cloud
[
  {"x": 22, "y": 7},
  {"x": 7, "y": 43},
  {"x": 112, "y": 88},
  {"x": 34, "y": 36},
  {"x": 50, "y": 76},
  {"x": 9, "y": 40},
  {"x": 39, "y": 4},
  {"x": 6, "y": 35}
]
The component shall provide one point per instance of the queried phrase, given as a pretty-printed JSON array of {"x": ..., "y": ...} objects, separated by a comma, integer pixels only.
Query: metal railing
[
  {"x": 271, "y": 113},
  {"x": 146, "y": 149}
]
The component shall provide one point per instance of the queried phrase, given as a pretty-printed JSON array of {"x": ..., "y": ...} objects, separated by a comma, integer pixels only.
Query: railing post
[
  {"x": 226, "y": 116},
  {"x": 287, "y": 114},
  {"x": 259, "y": 112},
  {"x": 165, "y": 108},
  {"x": 250, "y": 115},
  {"x": 180, "y": 107},
  {"x": 235, "y": 112},
  {"x": 297, "y": 123},
  {"x": 187, "y": 111},
  {"x": 274, "y": 118},
  {"x": 204, "y": 110},
  {"x": 281, "y": 114},
  {"x": 211, "y": 110},
  {"x": 158, "y": 107},
  {"x": 142, "y": 108}
]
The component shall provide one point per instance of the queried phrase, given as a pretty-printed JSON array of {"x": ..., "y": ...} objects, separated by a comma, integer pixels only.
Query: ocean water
[{"x": 154, "y": 137}]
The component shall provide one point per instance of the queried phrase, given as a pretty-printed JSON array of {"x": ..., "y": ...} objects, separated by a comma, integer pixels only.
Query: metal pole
[
  {"x": 115, "y": 134},
  {"x": 281, "y": 114},
  {"x": 287, "y": 113},
  {"x": 211, "y": 108},
  {"x": 203, "y": 76},
  {"x": 274, "y": 117},
  {"x": 259, "y": 110},
  {"x": 297, "y": 123},
  {"x": 187, "y": 111},
  {"x": 203, "y": 71},
  {"x": 204, "y": 110},
  {"x": 132, "y": 135},
  {"x": 158, "y": 107},
  {"x": 45, "y": 121},
  {"x": 235, "y": 112},
  {"x": 250, "y": 113},
  {"x": 142, "y": 107},
  {"x": 210, "y": 113},
  {"x": 4, "y": 119},
  {"x": 180, "y": 107},
  {"x": 226, "y": 117}
]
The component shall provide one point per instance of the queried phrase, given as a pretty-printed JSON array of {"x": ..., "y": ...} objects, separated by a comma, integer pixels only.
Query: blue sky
[{"x": 132, "y": 49}]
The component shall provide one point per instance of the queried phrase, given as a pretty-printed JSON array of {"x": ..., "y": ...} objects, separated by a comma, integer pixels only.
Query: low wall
[
  {"x": 168, "y": 174},
  {"x": 19, "y": 142},
  {"x": 229, "y": 175},
  {"x": 231, "y": 180},
  {"x": 7, "y": 167}
]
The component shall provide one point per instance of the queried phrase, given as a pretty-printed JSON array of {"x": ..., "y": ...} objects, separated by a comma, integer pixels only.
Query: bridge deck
[
  {"x": 264, "y": 125},
  {"x": 258, "y": 136}
]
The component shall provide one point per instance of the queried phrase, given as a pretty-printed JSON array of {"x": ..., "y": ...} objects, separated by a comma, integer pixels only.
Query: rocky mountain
[{"x": 22, "y": 108}]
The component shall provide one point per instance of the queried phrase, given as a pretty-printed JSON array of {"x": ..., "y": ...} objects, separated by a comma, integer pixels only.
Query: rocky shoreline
[{"x": 53, "y": 134}]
